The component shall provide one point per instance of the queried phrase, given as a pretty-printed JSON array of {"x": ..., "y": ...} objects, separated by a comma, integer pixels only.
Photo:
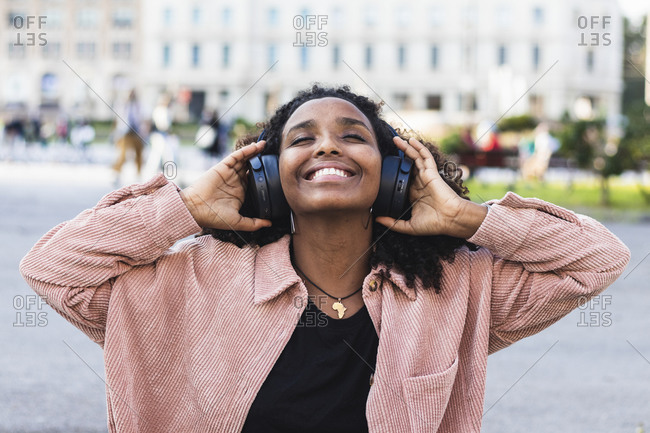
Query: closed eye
[
  {"x": 300, "y": 140},
  {"x": 355, "y": 136}
]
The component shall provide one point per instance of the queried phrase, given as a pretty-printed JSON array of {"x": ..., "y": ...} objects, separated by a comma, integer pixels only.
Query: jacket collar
[{"x": 274, "y": 273}]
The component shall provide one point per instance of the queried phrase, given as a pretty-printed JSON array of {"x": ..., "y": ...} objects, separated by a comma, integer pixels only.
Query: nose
[{"x": 328, "y": 146}]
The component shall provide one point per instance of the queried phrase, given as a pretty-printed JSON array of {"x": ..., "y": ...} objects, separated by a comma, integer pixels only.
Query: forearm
[
  {"x": 545, "y": 237},
  {"x": 129, "y": 227}
]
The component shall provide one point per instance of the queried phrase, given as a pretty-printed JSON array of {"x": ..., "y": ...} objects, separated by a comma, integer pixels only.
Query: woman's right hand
[{"x": 215, "y": 198}]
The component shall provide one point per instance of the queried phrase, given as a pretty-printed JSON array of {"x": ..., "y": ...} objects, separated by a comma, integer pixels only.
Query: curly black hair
[{"x": 416, "y": 257}]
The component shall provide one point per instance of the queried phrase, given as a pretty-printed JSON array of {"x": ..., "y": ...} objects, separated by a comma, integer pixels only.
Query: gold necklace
[{"x": 338, "y": 305}]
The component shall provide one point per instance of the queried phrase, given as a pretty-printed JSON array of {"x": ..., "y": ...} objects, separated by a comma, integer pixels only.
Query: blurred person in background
[
  {"x": 163, "y": 144},
  {"x": 543, "y": 146},
  {"x": 14, "y": 139},
  {"x": 81, "y": 136},
  {"x": 488, "y": 139},
  {"x": 209, "y": 137},
  {"x": 128, "y": 130}
]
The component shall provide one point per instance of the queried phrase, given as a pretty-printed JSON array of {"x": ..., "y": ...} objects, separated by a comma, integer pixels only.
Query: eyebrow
[
  {"x": 307, "y": 124},
  {"x": 349, "y": 121},
  {"x": 343, "y": 121}
]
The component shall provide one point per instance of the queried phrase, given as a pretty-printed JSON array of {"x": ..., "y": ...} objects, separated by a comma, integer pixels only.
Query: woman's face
[{"x": 329, "y": 158}]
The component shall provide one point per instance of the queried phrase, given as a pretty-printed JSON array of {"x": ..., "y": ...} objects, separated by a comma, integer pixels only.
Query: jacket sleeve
[
  {"x": 546, "y": 261},
  {"x": 73, "y": 267}
]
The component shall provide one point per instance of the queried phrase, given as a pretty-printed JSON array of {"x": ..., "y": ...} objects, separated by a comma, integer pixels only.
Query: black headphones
[{"x": 265, "y": 198}]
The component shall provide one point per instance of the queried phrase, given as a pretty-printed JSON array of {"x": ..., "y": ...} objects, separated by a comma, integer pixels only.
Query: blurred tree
[
  {"x": 636, "y": 140},
  {"x": 586, "y": 142},
  {"x": 453, "y": 144},
  {"x": 517, "y": 123}
]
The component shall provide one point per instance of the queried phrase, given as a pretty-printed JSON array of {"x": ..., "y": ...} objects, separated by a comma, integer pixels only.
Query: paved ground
[{"x": 588, "y": 373}]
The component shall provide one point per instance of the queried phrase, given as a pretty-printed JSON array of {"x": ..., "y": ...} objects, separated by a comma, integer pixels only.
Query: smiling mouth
[{"x": 328, "y": 172}]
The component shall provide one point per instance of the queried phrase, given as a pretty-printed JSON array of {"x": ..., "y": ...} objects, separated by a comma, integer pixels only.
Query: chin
[{"x": 329, "y": 206}]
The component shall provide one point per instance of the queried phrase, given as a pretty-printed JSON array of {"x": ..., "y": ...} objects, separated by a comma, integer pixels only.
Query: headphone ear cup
[
  {"x": 389, "y": 168},
  {"x": 279, "y": 206},
  {"x": 392, "y": 199},
  {"x": 256, "y": 203},
  {"x": 264, "y": 194}
]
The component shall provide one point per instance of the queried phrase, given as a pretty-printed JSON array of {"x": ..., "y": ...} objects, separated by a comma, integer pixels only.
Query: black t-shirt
[{"x": 321, "y": 381}]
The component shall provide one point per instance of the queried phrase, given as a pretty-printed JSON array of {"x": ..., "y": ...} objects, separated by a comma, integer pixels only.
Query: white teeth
[{"x": 329, "y": 171}]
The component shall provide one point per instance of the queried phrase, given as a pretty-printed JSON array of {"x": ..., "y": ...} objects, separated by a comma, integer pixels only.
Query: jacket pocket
[{"x": 427, "y": 397}]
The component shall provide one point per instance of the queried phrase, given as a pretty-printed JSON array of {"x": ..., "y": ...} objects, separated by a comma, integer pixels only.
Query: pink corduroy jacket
[{"x": 191, "y": 332}]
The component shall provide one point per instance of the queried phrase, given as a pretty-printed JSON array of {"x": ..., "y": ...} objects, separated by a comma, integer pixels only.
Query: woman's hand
[
  {"x": 437, "y": 209},
  {"x": 215, "y": 198}
]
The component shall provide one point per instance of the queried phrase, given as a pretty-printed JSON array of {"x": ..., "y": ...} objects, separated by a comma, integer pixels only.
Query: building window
[
  {"x": 336, "y": 56},
  {"x": 467, "y": 56},
  {"x": 338, "y": 18},
  {"x": 434, "y": 102},
  {"x": 15, "y": 18},
  {"x": 166, "y": 55},
  {"x": 538, "y": 15},
  {"x": 226, "y": 17},
  {"x": 502, "y": 56},
  {"x": 303, "y": 58},
  {"x": 53, "y": 19},
  {"x": 86, "y": 50},
  {"x": 16, "y": 51},
  {"x": 51, "y": 50},
  {"x": 503, "y": 16},
  {"x": 434, "y": 56},
  {"x": 273, "y": 17},
  {"x": 468, "y": 15},
  {"x": 87, "y": 18},
  {"x": 122, "y": 50},
  {"x": 370, "y": 15},
  {"x": 402, "y": 101},
  {"x": 272, "y": 56},
  {"x": 536, "y": 56},
  {"x": 167, "y": 17},
  {"x": 196, "y": 55},
  {"x": 467, "y": 102},
  {"x": 403, "y": 15},
  {"x": 368, "y": 56},
  {"x": 196, "y": 15},
  {"x": 590, "y": 61},
  {"x": 123, "y": 19},
  {"x": 401, "y": 56},
  {"x": 225, "y": 56},
  {"x": 437, "y": 16}
]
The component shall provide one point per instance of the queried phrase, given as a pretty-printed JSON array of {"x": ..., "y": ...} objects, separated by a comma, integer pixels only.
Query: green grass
[{"x": 626, "y": 201}]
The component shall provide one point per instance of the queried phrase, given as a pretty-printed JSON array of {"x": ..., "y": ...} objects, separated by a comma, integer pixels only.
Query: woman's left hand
[{"x": 436, "y": 208}]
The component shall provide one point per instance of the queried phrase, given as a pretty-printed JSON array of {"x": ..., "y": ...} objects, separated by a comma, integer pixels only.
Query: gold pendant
[{"x": 339, "y": 307}]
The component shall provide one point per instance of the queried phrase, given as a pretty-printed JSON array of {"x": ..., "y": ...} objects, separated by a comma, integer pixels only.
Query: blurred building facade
[
  {"x": 452, "y": 62},
  {"x": 60, "y": 55}
]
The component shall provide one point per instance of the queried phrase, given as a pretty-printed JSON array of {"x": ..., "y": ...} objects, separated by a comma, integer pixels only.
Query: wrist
[
  {"x": 190, "y": 205},
  {"x": 468, "y": 219}
]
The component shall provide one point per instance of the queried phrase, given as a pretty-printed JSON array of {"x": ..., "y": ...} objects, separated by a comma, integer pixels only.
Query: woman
[{"x": 241, "y": 331}]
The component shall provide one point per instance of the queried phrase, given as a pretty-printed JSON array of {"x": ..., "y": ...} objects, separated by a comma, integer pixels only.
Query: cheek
[
  {"x": 374, "y": 167},
  {"x": 287, "y": 167}
]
